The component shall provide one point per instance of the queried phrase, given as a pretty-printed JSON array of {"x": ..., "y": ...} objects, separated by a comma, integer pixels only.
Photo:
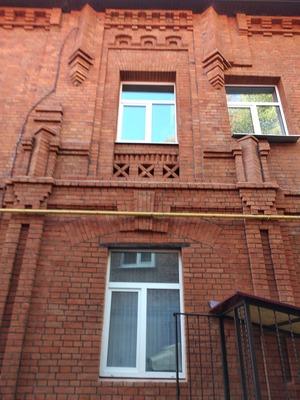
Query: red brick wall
[{"x": 60, "y": 87}]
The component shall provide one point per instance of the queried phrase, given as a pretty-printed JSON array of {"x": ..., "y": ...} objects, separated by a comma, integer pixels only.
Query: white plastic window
[
  {"x": 147, "y": 113},
  {"x": 139, "y": 324},
  {"x": 255, "y": 110}
]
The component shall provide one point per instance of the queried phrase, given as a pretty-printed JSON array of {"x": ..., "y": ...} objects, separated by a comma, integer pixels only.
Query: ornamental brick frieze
[
  {"x": 148, "y": 41},
  {"x": 149, "y": 19},
  {"x": 30, "y": 18},
  {"x": 130, "y": 164},
  {"x": 268, "y": 25}
]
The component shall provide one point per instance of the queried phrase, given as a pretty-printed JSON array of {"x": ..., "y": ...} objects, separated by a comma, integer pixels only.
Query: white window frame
[
  {"x": 139, "y": 263},
  {"x": 148, "y": 117},
  {"x": 139, "y": 372},
  {"x": 252, "y": 105}
]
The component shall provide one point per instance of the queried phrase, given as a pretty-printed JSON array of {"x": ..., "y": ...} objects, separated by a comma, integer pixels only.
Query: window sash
[
  {"x": 148, "y": 104},
  {"x": 141, "y": 288}
]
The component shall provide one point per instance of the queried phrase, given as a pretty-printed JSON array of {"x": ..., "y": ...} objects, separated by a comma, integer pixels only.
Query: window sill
[{"x": 271, "y": 138}]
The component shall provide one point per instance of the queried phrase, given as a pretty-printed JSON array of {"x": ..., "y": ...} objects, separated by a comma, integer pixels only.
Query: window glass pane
[
  {"x": 147, "y": 92},
  {"x": 163, "y": 123},
  {"x": 160, "y": 339},
  {"x": 254, "y": 94},
  {"x": 146, "y": 257},
  {"x": 129, "y": 258},
  {"x": 240, "y": 120},
  {"x": 123, "y": 330},
  {"x": 270, "y": 120},
  {"x": 164, "y": 269},
  {"x": 133, "y": 123}
]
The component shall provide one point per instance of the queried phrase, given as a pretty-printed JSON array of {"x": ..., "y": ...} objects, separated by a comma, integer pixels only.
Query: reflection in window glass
[
  {"x": 129, "y": 258},
  {"x": 270, "y": 120},
  {"x": 251, "y": 94},
  {"x": 241, "y": 120},
  {"x": 160, "y": 341},
  {"x": 165, "y": 268},
  {"x": 255, "y": 110},
  {"x": 146, "y": 257}
]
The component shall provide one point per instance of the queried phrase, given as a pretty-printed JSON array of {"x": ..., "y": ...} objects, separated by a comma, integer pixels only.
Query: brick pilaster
[{"x": 21, "y": 302}]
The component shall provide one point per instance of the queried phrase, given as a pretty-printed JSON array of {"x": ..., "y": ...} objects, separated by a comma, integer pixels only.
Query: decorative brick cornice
[
  {"x": 149, "y": 19},
  {"x": 267, "y": 26},
  {"x": 29, "y": 18},
  {"x": 214, "y": 66}
]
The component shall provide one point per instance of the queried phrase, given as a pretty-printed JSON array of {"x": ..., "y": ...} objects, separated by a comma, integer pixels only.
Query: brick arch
[{"x": 183, "y": 230}]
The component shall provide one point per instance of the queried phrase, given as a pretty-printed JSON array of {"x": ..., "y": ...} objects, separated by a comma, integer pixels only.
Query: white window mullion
[
  {"x": 255, "y": 120},
  {"x": 142, "y": 322}
]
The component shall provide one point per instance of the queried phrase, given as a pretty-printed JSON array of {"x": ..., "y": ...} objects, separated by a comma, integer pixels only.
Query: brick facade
[{"x": 61, "y": 75}]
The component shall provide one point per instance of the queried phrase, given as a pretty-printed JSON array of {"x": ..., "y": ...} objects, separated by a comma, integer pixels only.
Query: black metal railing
[
  {"x": 205, "y": 375},
  {"x": 251, "y": 353}
]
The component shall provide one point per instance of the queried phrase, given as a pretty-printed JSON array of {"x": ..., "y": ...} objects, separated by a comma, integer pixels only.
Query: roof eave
[{"x": 229, "y": 7}]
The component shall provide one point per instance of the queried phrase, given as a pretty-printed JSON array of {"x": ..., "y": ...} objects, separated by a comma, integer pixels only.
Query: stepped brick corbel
[
  {"x": 30, "y": 194},
  {"x": 82, "y": 57},
  {"x": 259, "y": 201},
  {"x": 80, "y": 64},
  {"x": 214, "y": 65}
]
